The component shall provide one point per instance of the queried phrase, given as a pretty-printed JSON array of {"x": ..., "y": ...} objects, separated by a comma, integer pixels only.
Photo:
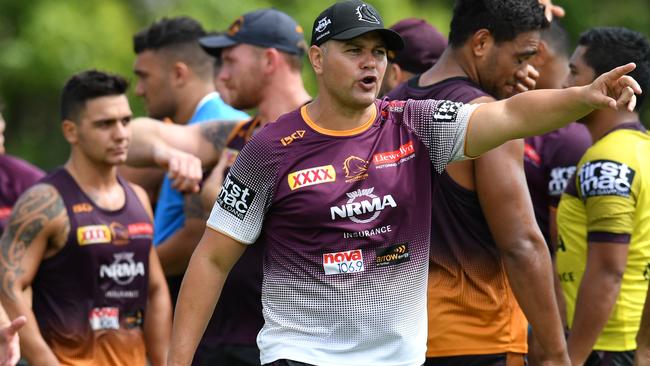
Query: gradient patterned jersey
[
  {"x": 90, "y": 297},
  {"x": 550, "y": 161},
  {"x": 608, "y": 200},
  {"x": 344, "y": 220},
  {"x": 471, "y": 307}
]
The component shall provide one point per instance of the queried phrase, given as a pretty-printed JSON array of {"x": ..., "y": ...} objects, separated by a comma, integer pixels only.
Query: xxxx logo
[
  {"x": 311, "y": 176},
  {"x": 294, "y": 136}
]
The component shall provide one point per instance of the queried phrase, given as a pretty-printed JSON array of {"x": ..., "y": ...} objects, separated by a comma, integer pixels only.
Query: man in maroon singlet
[
  {"x": 81, "y": 238},
  {"x": 488, "y": 258}
]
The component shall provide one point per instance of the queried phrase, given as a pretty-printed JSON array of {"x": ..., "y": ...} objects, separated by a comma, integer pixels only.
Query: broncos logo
[
  {"x": 355, "y": 169},
  {"x": 235, "y": 26},
  {"x": 366, "y": 14}
]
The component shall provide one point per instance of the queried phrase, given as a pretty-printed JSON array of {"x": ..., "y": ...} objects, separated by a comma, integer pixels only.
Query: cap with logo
[
  {"x": 349, "y": 19},
  {"x": 423, "y": 45},
  {"x": 268, "y": 28}
]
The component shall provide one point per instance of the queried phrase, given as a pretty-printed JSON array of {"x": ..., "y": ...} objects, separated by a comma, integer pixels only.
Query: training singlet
[
  {"x": 608, "y": 200},
  {"x": 237, "y": 319},
  {"x": 549, "y": 161},
  {"x": 169, "y": 215},
  {"x": 90, "y": 298},
  {"x": 471, "y": 307},
  {"x": 342, "y": 218},
  {"x": 16, "y": 175}
]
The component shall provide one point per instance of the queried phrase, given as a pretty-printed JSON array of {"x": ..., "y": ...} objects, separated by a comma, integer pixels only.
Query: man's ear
[
  {"x": 316, "y": 55},
  {"x": 270, "y": 60},
  {"x": 180, "y": 73},
  {"x": 481, "y": 42},
  {"x": 70, "y": 131}
]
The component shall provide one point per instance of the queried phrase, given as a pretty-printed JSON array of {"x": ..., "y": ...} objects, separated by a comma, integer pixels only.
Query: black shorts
[
  {"x": 605, "y": 358},
  {"x": 499, "y": 359}
]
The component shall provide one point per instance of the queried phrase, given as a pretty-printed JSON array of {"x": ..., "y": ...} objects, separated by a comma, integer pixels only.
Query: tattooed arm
[
  {"x": 153, "y": 142},
  {"x": 38, "y": 224},
  {"x": 176, "y": 251}
]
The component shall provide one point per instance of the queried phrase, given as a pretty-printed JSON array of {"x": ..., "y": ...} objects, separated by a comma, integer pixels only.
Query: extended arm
[
  {"x": 154, "y": 142},
  {"x": 210, "y": 264},
  {"x": 38, "y": 217},
  {"x": 536, "y": 112},
  {"x": 500, "y": 178},
  {"x": 597, "y": 295}
]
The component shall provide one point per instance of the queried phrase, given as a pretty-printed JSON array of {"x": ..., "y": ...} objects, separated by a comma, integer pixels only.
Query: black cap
[
  {"x": 268, "y": 28},
  {"x": 349, "y": 19}
]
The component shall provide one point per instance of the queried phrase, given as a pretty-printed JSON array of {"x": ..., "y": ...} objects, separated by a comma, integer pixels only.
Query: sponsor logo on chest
[
  {"x": 605, "y": 178},
  {"x": 392, "y": 255},
  {"x": 393, "y": 158},
  {"x": 104, "y": 318},
  {"x": 294, "y": 136},
  {"x": 350, "y": 261},
  {"x": 311, "y": 176},
  {"x": 123, "y": 270},
  {"x": 94, "y": 234},
  {"x": 235, "y": 197},
  {"x": 363, "y": 206}
]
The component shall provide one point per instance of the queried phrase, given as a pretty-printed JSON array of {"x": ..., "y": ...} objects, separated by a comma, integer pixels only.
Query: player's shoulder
[{"x": 620, "y": 145}]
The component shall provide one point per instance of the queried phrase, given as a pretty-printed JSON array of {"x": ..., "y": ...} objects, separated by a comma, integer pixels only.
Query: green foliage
[{"x": 42, "y": 42}]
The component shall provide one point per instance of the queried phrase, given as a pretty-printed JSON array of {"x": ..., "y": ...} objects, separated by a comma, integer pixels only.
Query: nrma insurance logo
[{"x": 605, "y": 178}]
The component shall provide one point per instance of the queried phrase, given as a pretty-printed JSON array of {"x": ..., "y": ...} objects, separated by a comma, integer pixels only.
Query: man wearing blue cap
[{"x": 333, "y": 192}]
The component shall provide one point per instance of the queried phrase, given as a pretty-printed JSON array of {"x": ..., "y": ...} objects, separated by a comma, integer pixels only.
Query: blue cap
[{"x": 268, "y": 28}]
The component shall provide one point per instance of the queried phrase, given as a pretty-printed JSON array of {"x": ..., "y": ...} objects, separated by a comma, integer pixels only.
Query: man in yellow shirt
[{"x": 604, "y": 215}]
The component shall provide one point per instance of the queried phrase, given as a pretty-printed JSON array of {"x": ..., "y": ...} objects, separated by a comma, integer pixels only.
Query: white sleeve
[
  {"x": 442, "y": 126},
  {"x": 246, "y": 193}
]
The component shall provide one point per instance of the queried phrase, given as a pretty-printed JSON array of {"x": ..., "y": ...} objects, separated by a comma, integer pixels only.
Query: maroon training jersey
[
  {"x": 16, "y": 175},
  {"x": 472, "y": 309},
  {"x": 550, "y": 160},
  {"x": 90, "y": 297},
  {"x": 344, "y": 220},
  {"x": 238, "y": 316}
]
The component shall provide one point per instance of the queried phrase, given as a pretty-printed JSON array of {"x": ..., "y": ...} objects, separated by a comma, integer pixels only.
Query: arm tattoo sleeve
[
  {"x": 217, "y": 133},
  {"x": 193, "y": 208},
  {"x": 33, "y": 211}
]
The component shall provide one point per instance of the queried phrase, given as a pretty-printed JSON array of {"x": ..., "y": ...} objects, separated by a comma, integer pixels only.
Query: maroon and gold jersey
[
  {"x": 471, "y": 307},
  {"x": 344, "y": 220},
  {"x": 90, "y": 297}
]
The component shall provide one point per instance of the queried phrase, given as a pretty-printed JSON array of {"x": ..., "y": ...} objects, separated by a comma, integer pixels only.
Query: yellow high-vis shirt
[{"x": 608, "y": 200}]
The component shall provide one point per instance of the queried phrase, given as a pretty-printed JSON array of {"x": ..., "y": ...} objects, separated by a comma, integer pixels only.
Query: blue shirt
[{"x": 169, "y": 215}]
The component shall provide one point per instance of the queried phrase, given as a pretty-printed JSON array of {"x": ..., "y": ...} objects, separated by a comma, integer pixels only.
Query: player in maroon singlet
[{"x": 81, "y": 238}]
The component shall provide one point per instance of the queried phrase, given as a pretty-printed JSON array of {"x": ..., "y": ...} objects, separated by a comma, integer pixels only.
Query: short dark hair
[
  {"x": 609, "y": 47},
  {"x": 557, "y": 38},
  {"x": 505, "y": 19},
  {"x": 88, "y": 85},
  {"x": 179, "y": 38}
]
